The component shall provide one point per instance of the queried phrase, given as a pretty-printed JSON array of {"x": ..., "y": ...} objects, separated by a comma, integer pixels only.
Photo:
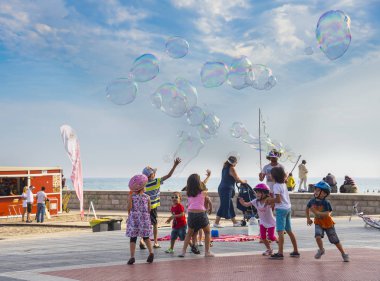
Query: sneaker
[
  {"x": 169, "y": 251},
  {"x": 268, "y": 252},
  {"x": 345, "y": 257},
  {"x": 319, "y": 254},
  {"x": 217, "y": 225},
  {"x": 131, "y": 261},
  {"x": 195, "y": 250},
  {"x": 238, "y": 224},
  {"x": 181, "y": 255},
  {"x": 294, "y": 255},
  {"x": 277, "y": 256},
  {"x": 200, "y": 244}
]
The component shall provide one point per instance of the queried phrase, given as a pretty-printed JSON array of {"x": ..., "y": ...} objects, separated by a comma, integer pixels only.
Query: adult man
[
  {"x": 272, "y": 156},
  {"x": 29, "y": 203},
  {"x": 302, "y": 174},
  {"x": 41, "y": 198}
]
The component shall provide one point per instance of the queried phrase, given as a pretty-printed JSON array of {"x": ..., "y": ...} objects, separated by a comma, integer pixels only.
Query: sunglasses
[{"x": 175, "y": 197}]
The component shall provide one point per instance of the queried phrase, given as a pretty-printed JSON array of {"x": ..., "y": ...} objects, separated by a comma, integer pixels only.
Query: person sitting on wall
[
  {"x": 331, "y": 180},
  {"x": 349, "y": 186}
]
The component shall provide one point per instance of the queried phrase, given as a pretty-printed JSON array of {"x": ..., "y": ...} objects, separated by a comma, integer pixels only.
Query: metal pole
[{"x": 261, "y": 166}]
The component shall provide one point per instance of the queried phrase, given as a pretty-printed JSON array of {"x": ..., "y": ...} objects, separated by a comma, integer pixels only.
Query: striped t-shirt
[{"x": 152, "y": 189}]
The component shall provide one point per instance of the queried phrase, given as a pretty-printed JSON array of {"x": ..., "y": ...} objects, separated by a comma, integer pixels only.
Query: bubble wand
[{"x": 298, "y": 159}]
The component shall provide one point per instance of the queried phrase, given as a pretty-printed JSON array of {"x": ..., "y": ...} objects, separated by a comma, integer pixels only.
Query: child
[
  {"x": 267, "y": 221},
  {"x": 153, "y": 190},
  {"x": 290, "y": 182},
  {"x": 197, "y": 216},
  {"x": 138, "y": 223},
  {"x": 179, "y": 221},
  {"x": 321, "y": 208},
  {"x": 283, "y": 213}
]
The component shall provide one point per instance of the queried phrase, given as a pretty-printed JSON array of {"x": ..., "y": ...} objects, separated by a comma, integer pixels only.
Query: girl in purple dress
[{"x": 138, "y": 222}]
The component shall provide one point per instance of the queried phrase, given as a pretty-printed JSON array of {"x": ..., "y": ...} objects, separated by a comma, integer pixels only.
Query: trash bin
[
  {"x": 114, "y": 224},
  {"x": 98, "y": 225}
]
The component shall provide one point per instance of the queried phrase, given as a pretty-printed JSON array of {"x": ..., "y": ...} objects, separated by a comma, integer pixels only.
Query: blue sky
[{"x": 56, "y": 58}]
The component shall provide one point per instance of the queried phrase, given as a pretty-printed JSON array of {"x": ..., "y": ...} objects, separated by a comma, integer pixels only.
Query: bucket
[{"x": 214, "y": 233}]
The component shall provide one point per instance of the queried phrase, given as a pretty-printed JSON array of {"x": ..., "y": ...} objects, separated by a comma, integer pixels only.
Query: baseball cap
[{"x": 148, "y": 171}]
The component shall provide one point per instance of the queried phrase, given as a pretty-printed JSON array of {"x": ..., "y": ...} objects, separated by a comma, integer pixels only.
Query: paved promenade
[{"x": 103, "y": 256}]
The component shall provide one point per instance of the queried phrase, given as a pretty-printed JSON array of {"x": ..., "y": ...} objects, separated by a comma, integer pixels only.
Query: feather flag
[{"x": 71, "y": 143}]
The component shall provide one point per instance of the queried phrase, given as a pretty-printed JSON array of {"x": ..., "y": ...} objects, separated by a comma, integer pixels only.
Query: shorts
[
  {"x": 153, "y": 216},
  {"x": 263, "y": 233},
  {"x": 197, "y": 221},
  {"x": 283, "y": 220},
  {"x": 331, "y": 233},
  {"x": 29, "y": 207},
  {"x": 178, "y": 232}
]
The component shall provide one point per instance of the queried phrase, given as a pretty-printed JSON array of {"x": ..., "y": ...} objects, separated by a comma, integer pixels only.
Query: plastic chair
[{"x": 13, "y": 206}]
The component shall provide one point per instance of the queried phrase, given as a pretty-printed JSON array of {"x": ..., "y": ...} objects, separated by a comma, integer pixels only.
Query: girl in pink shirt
[{"x": 267, "y": 220}]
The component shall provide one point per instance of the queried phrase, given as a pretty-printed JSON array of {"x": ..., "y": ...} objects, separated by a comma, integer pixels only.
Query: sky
[{"x": 57, "y": 57}]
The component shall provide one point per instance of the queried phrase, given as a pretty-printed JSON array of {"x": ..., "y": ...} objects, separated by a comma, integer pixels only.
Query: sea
[{"x": 365, "y": 185}]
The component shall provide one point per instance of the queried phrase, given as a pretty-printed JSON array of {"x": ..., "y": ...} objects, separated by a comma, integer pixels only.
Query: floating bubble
[
  {"x": 145, "y": 68},
  {"x": 188, "y": 91},
  {"x": 237, "y": 129},
  {"x": 173, "y": 102},
  {"x": 240, "y": 74},
  {"x": 156, "y": 100},
  {"x": 177, "y": 47},
  {"x": 121, "y": 91},
  {"x": 309, "y": 51},
  {"x": 195, "y": 116},
  {"x": 187, "y": 150},
  {"x": 213, "y": 74},
  {"x": 263, "y": 77},
  {"x": 248, "y": 138},
  {"x": 211, "y": 124},
  {"x": 272, "y": 81},
  {"x": 333, "y": 33},
  {"x": 203, "y": 133}
]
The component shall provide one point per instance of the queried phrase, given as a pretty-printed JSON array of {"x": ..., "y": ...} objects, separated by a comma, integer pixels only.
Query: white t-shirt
[
  {"x": 265, "y": 214},
  {"x": 266, "y": 170},
  {"x": 41, "y": 196},
  {"x": 29, "y": 196},
  {"x": 24, "y": 198},
  {"x": 280, "y": 188}
]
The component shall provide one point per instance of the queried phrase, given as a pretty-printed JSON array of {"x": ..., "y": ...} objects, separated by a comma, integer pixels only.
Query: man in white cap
[{"x": 272, "y": 156}]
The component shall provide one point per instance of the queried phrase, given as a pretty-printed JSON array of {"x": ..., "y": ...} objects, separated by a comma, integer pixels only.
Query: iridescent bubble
[
  {"x": 203, "y": 133},
  {"x": 333, "y": 33},
  {"x": 237, "y": 129},
  {"x": 211, "y": 124},
  {"x": 195, "y": 116},
  {"x": 248, "y": 138},
  {"x": 272, "y": 81},
  {"x": 188, "y": 91},
  {"x": 240, "y": 74},
  {"x": 262, "y": 76},
  {"x": 173, "y": 103},
  {"x": 121, "y": 91},
  {"x": 156, "y": 100},
  {"x": 309, "y": 51},
  {"x": 187, "y": 150},
  {"x": 145, "y": 68},
  {"x": 213, "y": 74},
  {"x": 177, "y": 47}
]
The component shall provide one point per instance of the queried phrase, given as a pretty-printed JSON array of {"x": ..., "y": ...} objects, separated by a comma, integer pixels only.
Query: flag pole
[{"x": 261, "y": 166}]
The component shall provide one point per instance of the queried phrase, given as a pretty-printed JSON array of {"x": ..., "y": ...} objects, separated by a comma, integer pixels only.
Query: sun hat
[
  {"x": 137, "y": 182},
  {"x": 273, "y": 154},
  {"x": 322, "y": 185},
  {"x": 148, "y": 171}
]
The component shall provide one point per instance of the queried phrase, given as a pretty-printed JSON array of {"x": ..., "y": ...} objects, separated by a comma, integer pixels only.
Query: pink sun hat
[{"x": 137, "y": 182}]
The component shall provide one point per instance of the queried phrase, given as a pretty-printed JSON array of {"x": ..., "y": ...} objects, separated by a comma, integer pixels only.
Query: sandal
[
  {"x": 150, "y": 258},
  {"x": 294, "y": 254},
  {"x": 131, "y": 261},
  {"x": 195, "y": 250},
  {"x": 277, "y": 256},
  {"x": 142, "y": 246},
  {"x": 156, "y": 246}
]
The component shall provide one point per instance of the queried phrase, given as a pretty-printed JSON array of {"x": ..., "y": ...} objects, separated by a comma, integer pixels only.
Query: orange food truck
[{"x": 14, "y": 179}]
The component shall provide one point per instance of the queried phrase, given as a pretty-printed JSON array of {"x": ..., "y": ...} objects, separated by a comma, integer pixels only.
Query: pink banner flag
[{"x": 71, "y": 143}]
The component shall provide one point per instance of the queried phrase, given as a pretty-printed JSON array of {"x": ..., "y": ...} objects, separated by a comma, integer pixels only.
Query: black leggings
[{"x": 134, "y": 239}]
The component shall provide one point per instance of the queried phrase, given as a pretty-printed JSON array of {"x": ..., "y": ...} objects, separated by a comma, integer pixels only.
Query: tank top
[
  {"x": 196, "y": 203},
  {"x": 227, "y": 181}
]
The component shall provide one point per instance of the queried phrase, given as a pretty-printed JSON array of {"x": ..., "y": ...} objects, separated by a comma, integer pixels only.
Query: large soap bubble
[
  {"x": 211, "y": 124},
  {"x": 240, "y": 74},
  {"x": 333, "y": 33},
  {"x": 121, "y": 91},
  {"x": 145, "y": 68},
  {"x": 173, "y": 103},
  {"x": 188, "y": 149},
  {"x": 237, "y": 129},
  {"x": 264, "y": 79},
  {"x": 195, "y": 116},
  {"x": 213, "y": 74},
  {"x": 177, "y": 47},
  {"x": 188, "y": 91}
]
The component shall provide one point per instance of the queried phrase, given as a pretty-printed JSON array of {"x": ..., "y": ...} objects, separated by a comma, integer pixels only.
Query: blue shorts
[
  {"x": 180, "y": 232},
  {"x": 283, "y": 220}
]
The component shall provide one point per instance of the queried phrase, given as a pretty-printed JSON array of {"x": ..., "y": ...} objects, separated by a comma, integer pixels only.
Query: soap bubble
[
  {"x": 333, "y": 33},
  {"x": 240, "y": 74},
  {"x": 173, "y": 102},
  {"x": 203, "y": 133},
  {"x": 211, "y": 124},
  {"x": 309, "y": 51},
  {"x": 177, "y": 47},
  {"x": 187, "y": 150},
  {"x": 121, "y": 91},
  {"x": 188, "y": 91},
  {"x": 145, "y": 68},
  {"x": 272, "y": 81},
  {"x": 263, "y": 77},
  {"x": 156, "y": 100},
  {"x": 195, "y": 116},
  {"x": 213, "y": 74},
  {"x": 237, "y": 129}
]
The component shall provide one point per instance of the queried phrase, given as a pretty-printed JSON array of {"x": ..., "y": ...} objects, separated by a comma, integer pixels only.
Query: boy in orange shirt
[{"x": 321, "y": 208}]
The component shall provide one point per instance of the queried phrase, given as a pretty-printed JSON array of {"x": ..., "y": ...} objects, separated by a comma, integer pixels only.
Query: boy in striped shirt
[{"x": 152, "y": 189}]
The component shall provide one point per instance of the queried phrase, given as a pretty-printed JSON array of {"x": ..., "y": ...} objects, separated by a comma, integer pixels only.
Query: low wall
[{"x": 341, "y": 203}]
